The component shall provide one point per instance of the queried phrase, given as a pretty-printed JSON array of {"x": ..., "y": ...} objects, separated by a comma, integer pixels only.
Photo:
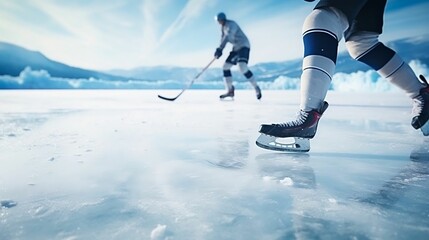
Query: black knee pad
[
  {"x": 377, "y": 56},
  {"x": 227, "y": 73},
  {"x": 248, "y": 74}
]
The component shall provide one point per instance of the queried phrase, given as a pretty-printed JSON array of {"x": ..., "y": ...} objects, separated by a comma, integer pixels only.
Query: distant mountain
[
  {"x": 14, "y": 59},
  {"x": 409, "y": 49},
  {"x": 161, "y": 73}
]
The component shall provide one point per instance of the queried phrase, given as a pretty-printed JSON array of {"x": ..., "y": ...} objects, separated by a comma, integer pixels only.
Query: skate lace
[
  {"x": 300, "y": 119},
  {"x": 418, "y": 103}
]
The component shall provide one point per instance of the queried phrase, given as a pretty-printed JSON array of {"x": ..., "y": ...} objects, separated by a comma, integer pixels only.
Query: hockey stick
[{"x": 189, "y": 84}]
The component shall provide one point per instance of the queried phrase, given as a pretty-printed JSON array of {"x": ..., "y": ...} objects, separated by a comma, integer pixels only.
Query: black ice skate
[
  {"x": 278, "y": 137},
  {"x": 421, "y": 109},
  {"x": 258, "y": 93},
  {"x": 230, "y": 93}
]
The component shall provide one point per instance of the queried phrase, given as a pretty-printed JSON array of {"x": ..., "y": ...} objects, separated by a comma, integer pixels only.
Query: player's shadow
[
  {"x": 405, "y": 194},
  {"x": 357, "y": 156},
  {"x": 412, "y": 177}
]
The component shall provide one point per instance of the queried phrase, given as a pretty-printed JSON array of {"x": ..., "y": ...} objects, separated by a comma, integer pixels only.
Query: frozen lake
[{"x": 124, "y": 164}]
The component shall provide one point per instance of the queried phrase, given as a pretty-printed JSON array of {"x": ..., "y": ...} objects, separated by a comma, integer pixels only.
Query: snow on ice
[{"x": 124, "y": 164}]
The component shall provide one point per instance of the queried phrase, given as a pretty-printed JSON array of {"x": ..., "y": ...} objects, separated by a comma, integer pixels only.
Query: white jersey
[{"x": 233, "y": 34}]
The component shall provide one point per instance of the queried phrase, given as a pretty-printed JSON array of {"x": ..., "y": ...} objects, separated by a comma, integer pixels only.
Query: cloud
[
  {"x": 406, "y": 22},
  {"x": 154, "y": 38},
  {"x": 72, "y": 19},
  {"x": 150, "y": 12},
  {"x": 277, "y": 37},
  {"x": 192, "y": 10},
  {"x": 129, "y": 33}
]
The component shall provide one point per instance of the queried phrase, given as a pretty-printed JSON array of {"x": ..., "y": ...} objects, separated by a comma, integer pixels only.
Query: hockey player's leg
[
  {"x": 365, "y": 47},
  {"x": 250, "y": 77},
  {"x": 322, "y": 30},
  {"x": 228, "y": 81}
]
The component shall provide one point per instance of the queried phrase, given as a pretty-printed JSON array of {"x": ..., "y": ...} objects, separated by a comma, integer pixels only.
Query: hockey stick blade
[
  {"x": 167, "y": 98},
  {"x": 173, "y": 98}
]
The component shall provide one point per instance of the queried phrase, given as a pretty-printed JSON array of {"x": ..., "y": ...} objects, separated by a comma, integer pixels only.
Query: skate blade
[
  {"x": 227, "y": 99},
  {"x": 293, "y": 144},
  {"x": 425, "y": 129}
]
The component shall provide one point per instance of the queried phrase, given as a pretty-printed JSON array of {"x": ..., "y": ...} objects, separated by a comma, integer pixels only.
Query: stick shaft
[{"x": 190, "y": 83}]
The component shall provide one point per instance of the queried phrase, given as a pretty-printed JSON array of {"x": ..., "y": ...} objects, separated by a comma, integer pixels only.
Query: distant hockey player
[
  {"x": 361, "y": 22},
  {"x": 233, "y": 34}
]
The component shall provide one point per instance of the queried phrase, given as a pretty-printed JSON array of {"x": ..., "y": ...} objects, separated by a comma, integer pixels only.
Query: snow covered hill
[
  {"x": 409, "y": 49},
  {"x": 14, "y": 59}
]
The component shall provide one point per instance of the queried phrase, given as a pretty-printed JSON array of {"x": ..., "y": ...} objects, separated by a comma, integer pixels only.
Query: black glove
[{"x": 218, "y": 53}]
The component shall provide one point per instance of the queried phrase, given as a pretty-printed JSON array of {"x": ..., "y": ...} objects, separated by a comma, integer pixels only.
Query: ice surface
[{"x": 127, "y": 165}]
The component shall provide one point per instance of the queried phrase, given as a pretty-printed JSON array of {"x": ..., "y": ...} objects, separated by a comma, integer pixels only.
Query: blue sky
[{"x": 102, "y": 35}]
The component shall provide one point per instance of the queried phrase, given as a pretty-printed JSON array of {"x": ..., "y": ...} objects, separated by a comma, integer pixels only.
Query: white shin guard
[{"x": 318, "y": 69}]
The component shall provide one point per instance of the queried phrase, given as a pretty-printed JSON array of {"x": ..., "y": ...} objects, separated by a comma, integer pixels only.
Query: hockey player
[
  {"x": 233, "y": 34},
  {"x": 360, "y": 22}
]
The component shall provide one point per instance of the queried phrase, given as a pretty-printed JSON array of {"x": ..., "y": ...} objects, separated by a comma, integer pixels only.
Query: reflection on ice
[
  {"x": 221, "y": 152},
  {"x": 421, "y": 152},
  {"x": 288, "y": 169},
  {"x": 7, "y": 204}
]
